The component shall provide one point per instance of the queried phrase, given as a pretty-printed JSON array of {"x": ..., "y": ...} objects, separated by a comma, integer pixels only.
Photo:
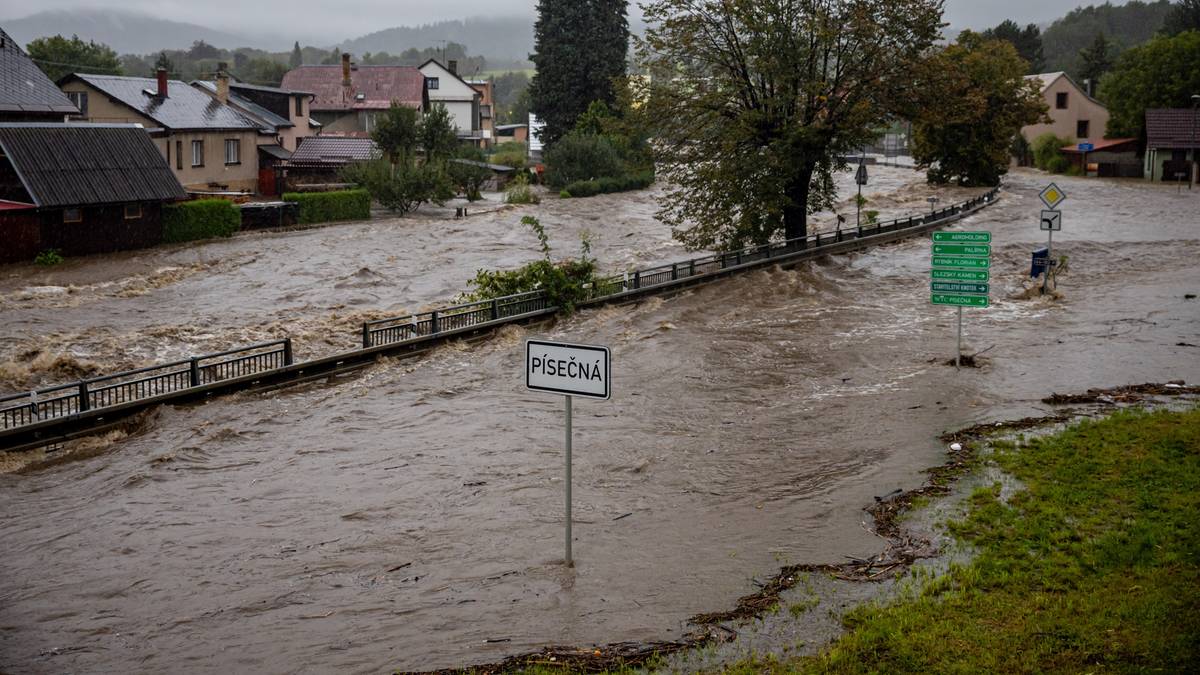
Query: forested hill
[
  {"x": 500, "y": 38},
  {"x": 1125, "y": 26}
]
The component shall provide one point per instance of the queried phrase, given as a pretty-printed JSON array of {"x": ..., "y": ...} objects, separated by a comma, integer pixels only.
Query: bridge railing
[{"x": 153, "y": 381}]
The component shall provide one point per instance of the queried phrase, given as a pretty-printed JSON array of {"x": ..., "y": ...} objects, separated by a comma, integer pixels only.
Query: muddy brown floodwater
[
  {"x": 114, "y": 312},
  {"x": 410, "y": 517}
]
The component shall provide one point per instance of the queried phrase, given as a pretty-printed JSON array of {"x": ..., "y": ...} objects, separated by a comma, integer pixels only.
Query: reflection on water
[{"x": 402, "y": 518}]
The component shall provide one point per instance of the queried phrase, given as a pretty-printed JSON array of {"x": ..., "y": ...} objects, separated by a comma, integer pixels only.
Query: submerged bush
[
  {"x": 200, "y": 219},
  {"x": 566, "y": 282}
]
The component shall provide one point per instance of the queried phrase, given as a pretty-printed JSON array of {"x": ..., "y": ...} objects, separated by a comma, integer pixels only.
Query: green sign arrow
[
  {"x": 957, "y": 287},
  {"x": 955, "y": 261},
  {"x": 962, "y": 249},
  {"x": 963, "y": 237},
  {"x": 959, "y": 300},
  {"x": 960, "y": 275}
]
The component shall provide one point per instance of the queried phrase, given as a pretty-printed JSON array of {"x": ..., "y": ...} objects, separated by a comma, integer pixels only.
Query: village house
[
  {"x": 1172, "y": 138},
  {"x": 461, "y": 99},
  {"x": 320, "y": 159},
  {"x": 1074, "y": 114},
  {"x": 347, "y": 99},
  {"x": 282, "y": 116},
  {"x": 487, "y": 113},
  {"x": 80, "y": 189},
  {"x": 26, "y": 94},
  {"x": 210, "y": 146}
]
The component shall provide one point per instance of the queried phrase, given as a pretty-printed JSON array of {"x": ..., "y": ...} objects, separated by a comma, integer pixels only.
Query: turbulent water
[{"x": 411, "y": 516}]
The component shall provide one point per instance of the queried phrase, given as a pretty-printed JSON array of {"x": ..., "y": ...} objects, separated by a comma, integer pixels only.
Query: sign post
[
  {"x": 570, "y": 370},
  {"x": 1051, "y": 220},
  {"x": 961, "y": 263},
  {"x": 860, "y": 177}
]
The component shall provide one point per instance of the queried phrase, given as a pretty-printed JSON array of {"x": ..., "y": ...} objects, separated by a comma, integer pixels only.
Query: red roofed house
[
  {"x": 1172, "y": 137},
  {"x": 348, "y": 98},
  {"x": 1106, "y": 158}
]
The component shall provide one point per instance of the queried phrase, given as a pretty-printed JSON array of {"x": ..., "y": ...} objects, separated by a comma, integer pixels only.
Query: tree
[
  {"x": 163, "y": 61},
  {"x": 1028, "y": 42},
  {"x": 1182, "y": 17},
  {"x": 977, "y": 99},
  {"x": 1095, "y": 61},
  {"x": 436, "y": 135},
  {"x": 751, "y": 102},
  {"x": 1160, "y": 74},
  {"x": 1125, "y": 25},
  {"x": 57, "y": 56},
  {"x": 580, "y": 47},
  {"x": 202, "y": 50},
  {"x": 297, "y": 58},
  {"x": 397, "y": 133}
]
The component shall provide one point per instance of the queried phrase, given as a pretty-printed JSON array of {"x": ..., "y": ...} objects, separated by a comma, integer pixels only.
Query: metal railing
[
  {"x": 129, "y": 386},
  {"x": 145, "y": 384}
]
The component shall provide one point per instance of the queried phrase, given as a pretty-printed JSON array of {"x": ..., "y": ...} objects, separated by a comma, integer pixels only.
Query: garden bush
[
  {"x": 590, "y": 188},
  {"x": 200, "y": 219},
  {"x": 1046, "y": 153},
  {"x": 323, "y": 207},
  {"x": 566, "y": 282},
  {"x": 579, "y": 157}
]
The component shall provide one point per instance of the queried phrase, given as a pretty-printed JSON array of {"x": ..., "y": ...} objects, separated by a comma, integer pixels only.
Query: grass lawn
[{"x": 1093, "y": 567}]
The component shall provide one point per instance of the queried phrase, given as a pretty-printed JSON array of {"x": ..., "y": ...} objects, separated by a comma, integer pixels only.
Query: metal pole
[
  {"x": 858, "y": 202},
  {"x": 570, "y": 559},
  {"x": 1192, "y": 168},
  {"x": 958, "y": 355},
  {"x": 1049, "y": 259}
]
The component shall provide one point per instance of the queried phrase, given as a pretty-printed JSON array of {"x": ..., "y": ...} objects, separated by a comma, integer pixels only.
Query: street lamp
[{"x": 1192, "y": 168}]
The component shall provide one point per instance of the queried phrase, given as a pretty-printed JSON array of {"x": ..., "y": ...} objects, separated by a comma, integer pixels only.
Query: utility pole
[{"x": 1192, "y": 168}]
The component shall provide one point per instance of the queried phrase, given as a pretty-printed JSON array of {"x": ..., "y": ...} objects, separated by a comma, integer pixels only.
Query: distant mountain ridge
[
  {"x": 126, "y": 32},
  {"x": 505, "y": 38}
]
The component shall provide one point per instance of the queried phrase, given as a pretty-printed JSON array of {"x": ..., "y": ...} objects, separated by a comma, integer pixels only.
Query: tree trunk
[{"x": 795, "y": 214}]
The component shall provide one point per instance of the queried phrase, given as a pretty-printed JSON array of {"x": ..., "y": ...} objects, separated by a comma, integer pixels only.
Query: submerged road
[{"x": 407, "y": 516}]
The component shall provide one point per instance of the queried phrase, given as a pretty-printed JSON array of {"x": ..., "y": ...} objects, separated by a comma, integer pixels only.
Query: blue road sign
[{"x": 1086, "y": 147}]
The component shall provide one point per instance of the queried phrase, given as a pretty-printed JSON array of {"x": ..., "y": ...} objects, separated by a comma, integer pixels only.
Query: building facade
[
  {"x": 1074, "y": 115},
  {"x": 1172, "y": 139},
  {"x": 347, "y": 99},
  {"x": 461, "y": 99}
]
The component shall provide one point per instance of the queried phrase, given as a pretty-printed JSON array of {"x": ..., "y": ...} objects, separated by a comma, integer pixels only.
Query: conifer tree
[
  {"x": 580, "y": 47},
  {"x": 297, "y": 58}
]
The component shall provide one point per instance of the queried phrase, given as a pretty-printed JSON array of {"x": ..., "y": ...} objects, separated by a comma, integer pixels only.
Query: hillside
[
  {"x": 498, "y": 39},
  {"x": 126, "y": 32},
  {"x": 1125, "y": 26}
]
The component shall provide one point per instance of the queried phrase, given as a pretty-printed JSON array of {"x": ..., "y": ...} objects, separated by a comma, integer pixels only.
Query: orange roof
[{"x": 1097, "y": 146}]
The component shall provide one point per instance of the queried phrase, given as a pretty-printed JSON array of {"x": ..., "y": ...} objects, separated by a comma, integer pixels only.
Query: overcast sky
[{"x": 341, "y": 19}]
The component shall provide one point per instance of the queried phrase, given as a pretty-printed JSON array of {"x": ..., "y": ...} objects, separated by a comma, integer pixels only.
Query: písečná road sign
[
  {"x": 961, "y": 262},
  {"x": 573, "y": 370},
  {"x": 962, "y": 237},
  {"x": 962, "y": 249},
  {"x": 1052, "y": 220},
  {"x": 1052, "y": 196},
  {"x": 961, "y": 275},
  {"x": 959, "y": 300},
  {"x": 958, "y": 287}
]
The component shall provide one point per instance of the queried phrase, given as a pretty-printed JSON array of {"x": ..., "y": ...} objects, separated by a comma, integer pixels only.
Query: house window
[
  {"x": 197, "y": 153},
  {"x": 79, "y": 98},
  {"x": 1081, "y": 129},
  {"x": 179, "y": 155},
  {"x": 73, "y": 215},
  {"x": 233, "y": 151},
  {"x": 485, "y": 111},
  {"x": 431, "y": 83},
  {"x": 1060, "y": 100},
  {"x": 299, "y": 106},
  {"x": 133, "y": 211}
]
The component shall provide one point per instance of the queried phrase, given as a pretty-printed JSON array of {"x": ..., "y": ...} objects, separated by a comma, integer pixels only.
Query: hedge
[
  {"x": 590, "y": 188},
  {"x": 322, "y": 207},
  {"x": 200, "y": 219}
]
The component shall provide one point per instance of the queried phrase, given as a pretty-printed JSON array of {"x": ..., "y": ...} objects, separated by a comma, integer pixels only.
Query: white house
[{"x": 460, "y": 98}]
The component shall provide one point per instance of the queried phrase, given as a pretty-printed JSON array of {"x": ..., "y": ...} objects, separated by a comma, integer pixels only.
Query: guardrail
[
  {"x": 27, "y": 418},
  {"x": 143, "y": 383}
]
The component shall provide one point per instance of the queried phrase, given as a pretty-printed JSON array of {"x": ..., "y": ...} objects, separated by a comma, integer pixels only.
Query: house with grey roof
[
  {"x": 26, "y": 94},
  {"x": 1172, "y": 139},
  {"x": 80, "y": 188},
  {"x": 211, "y": 146}
]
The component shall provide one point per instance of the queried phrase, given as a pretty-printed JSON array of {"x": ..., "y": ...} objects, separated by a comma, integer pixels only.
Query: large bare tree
[{"x": 753, "y": 101}]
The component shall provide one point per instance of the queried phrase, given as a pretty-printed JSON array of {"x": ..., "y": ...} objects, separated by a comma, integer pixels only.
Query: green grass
[{"x": 1093, "y": 567}]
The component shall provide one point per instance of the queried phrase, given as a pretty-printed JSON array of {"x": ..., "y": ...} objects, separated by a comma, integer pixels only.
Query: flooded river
[{"x": 411, "y": 516}]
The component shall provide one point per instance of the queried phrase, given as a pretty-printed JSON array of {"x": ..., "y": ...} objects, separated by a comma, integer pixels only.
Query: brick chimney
[
  {"x": 346, "y": 70},
  {"x": 162, "y": 82},
  {"x": 453, "y": 67},
  {"x": 222, "y": 83}
]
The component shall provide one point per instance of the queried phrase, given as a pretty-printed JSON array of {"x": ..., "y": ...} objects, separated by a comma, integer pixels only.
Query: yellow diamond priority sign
[{"x": 1052, "y": 196}]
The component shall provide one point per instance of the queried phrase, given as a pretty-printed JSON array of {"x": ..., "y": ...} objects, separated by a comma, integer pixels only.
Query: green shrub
[
  {"x": 520, "y": 192},
  {"x": 579, "y": 157},
  {"x": 566, "y": 283},
  {"x": 323, "y": 207},
  {"x": 514, "y": 158},
  {"x": 49, "y": 258},
  {"x": 468, "y": 179},
  {"x": 200, "y": 219},
  {"x": 590, "y": 188},
  {"x": 1046, "y": 153}
]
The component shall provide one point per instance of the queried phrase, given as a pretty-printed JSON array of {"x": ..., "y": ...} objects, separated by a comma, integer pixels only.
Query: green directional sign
[
  {"x": 960, "y": 275},
  {"x": 958, "y": 261},
  {"x": 962, "y": 249},
  {"x": 962, "y": 237},
  {"x": 958, "y": 287},
  {"x": 959, "y": 300}
]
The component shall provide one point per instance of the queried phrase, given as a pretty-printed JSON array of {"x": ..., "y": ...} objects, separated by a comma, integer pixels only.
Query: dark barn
[{"x": 80, "y": 189}]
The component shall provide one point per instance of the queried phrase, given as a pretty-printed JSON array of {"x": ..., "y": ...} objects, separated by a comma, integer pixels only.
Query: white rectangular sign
[
  {"x": 1052, "y": 220},
  {"x": 573, "y": 370}
]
